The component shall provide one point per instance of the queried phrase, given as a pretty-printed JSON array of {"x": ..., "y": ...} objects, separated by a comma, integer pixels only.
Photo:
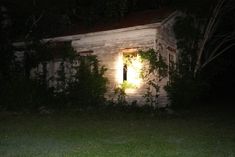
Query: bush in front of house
[
  {"x": 78, "y": 83},
  {"x": 185, "y": 92},
  {"x": 30, "y": 86},
  {"x": 87, "y": 85}
]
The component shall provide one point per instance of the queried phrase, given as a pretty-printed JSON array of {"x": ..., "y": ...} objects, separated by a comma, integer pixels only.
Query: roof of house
[{"x": 132, "y": 19}]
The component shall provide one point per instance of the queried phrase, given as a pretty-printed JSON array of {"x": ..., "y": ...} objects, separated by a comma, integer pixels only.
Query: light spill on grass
[{"x": 119, "y": 135}]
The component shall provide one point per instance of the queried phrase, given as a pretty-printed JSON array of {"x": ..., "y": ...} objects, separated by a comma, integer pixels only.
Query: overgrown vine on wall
[{"x": 153, "y": 71}]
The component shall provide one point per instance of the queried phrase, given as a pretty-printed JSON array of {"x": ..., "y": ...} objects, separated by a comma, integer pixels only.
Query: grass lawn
[{"x": 116, "y": 134}]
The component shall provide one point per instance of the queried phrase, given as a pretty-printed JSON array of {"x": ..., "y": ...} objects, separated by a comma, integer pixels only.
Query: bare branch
[
  {"x": 210, "y": 28},
  {"x": 34, "y": 24},
  {"x": 217, "y": 55},
  {"x": 225, "y": 40}
]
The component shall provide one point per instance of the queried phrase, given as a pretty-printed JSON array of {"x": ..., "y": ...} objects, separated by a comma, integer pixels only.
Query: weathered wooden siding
[
  {"x": 108, "y": 47},
  {"x": 166, "y": 45}
]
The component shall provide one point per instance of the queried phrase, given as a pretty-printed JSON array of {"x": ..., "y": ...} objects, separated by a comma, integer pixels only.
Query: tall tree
[
  {"x": 213, "y": 20},
  {"x": 223, "y": 39},
  {"x": 204, "y": 32}
]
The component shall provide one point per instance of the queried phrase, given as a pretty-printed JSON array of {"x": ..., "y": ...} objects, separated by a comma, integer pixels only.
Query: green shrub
[
  {"x": 152, "y": 73},
  {"x": 88, "y": 84},
  {"x": 185, "y": 92}
]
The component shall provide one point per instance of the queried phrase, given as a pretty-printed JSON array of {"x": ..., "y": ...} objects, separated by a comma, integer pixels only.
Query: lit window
[
  {"x": 132, "y": 68},
  {"x": 128, "y": 69}
]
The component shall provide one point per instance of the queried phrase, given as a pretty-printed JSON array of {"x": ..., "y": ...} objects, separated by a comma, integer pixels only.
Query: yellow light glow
[
  {"x": 119, "y": 69},
  {"x": 134, "y": 70}
]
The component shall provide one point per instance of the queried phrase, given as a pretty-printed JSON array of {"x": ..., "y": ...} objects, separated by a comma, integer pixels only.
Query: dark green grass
[{"x": 118, "y": 134}]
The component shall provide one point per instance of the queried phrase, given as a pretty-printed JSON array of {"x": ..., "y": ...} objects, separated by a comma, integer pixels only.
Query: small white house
[{"x": 110, "y": 42}]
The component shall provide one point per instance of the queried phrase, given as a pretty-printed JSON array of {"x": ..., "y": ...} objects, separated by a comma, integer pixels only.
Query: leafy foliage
[
  {"x": 188, "y": 35},
  {"x": 185, "y": 91},
  {"x": 183, "y": 88},
  {"x": 29, "y": 86},
  {"x": 156, "y": 63},
  {"x": 120, "y": 91},
  {"x": 203, "y": 33},
  {"x": 88, "y": 85},
  {"x": 154, "y": 70}
]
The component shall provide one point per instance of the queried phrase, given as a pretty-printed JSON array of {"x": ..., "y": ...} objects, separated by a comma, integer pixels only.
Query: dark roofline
[
  {"x": 131, "y": 20},
  {"x": 76, "y": 36}
]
